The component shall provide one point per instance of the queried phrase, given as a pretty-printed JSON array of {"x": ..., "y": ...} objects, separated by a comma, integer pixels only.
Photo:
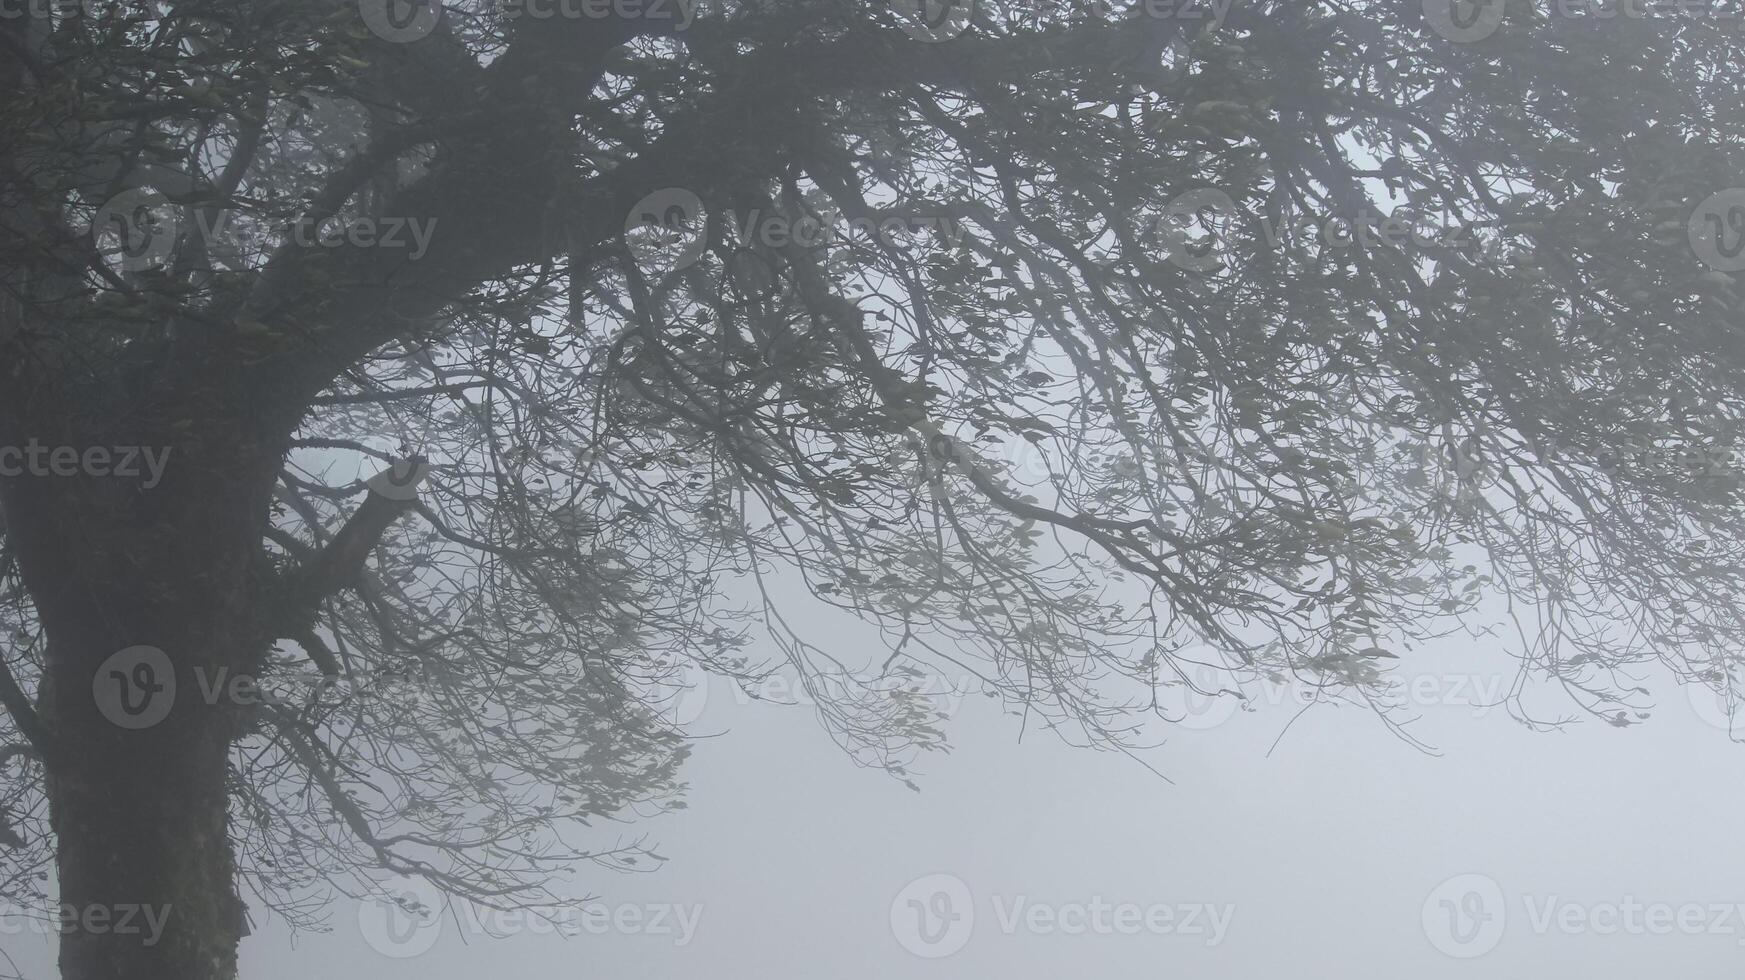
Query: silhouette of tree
[{"x": 1061, "y": 341}]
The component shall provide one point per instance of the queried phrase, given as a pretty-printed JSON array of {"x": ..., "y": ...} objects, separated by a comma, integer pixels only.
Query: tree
[{"x": 1050, "y": 337}]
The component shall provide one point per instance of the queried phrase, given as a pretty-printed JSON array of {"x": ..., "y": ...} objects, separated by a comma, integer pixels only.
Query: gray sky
[{"x": 1612, "y": 852}]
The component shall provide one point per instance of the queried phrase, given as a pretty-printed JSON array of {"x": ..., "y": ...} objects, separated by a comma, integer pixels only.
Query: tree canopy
[{"x": 1061, "y": 340}]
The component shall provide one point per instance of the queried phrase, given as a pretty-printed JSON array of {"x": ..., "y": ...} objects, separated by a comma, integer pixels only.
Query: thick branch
[
  {"x": 492, "y": 204},
  {"x": 24, "y": 715},
  {"x": 337, "y": 566}
]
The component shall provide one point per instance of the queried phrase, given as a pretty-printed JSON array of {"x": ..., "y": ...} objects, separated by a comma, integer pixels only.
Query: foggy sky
[{"x": 1326, "y": 854}]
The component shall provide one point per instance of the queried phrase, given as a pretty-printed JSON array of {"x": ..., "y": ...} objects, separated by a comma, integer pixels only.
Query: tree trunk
[
  {"x": 141, "y": 814},
  {"x": 137, "y": 770},
  {"x": 147, "y": 876}
]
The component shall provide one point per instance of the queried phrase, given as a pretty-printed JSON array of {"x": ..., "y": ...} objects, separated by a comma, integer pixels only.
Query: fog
[
  {"x": 746, "y": 489},
  {"x": 1330, "y": 843}
]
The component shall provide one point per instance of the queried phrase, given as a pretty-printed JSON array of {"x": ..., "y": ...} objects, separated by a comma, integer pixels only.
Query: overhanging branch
[{"x": 337, "y": 566}]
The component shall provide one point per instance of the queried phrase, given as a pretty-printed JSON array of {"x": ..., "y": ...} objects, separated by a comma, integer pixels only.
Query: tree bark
[
  {"x": 141, "y": 816},
  {"x": 146, "y": 866},
  {"x": 147, "y": 874}
]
